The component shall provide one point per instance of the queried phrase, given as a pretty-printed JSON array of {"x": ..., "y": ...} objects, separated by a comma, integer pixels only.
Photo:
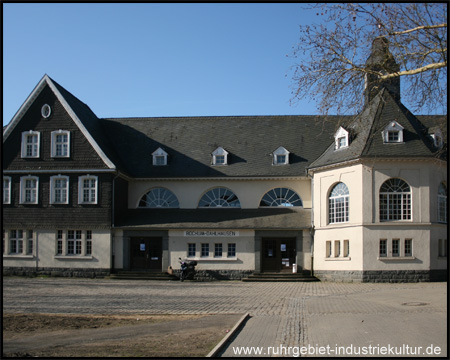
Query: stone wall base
[
  {"x": 55, "y": 272},
  {"x": 382, "y": 276}
]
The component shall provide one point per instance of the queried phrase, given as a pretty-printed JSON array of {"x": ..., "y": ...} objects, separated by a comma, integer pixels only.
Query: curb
[{"x": 222, "y": 343}]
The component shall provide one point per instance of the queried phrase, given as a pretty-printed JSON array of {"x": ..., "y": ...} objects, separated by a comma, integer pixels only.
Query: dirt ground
[{"x": 170, "y": 336}]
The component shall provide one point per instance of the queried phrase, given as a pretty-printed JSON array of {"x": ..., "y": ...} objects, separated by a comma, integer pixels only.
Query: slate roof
[
  {"x": 366, "y": 139},
  {"x": 189, "y": 141},
  {"x": 255, "y": 219}
]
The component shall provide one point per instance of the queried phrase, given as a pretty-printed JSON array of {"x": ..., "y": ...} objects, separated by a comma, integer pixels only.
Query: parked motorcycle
[{"x": 187, "y": 269}]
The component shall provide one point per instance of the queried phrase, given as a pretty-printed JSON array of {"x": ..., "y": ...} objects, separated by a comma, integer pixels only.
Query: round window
[{"x": 46, "y": 111}]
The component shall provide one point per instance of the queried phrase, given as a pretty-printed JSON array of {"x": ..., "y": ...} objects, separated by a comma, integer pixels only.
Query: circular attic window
[{"x": 46, "y": 111}]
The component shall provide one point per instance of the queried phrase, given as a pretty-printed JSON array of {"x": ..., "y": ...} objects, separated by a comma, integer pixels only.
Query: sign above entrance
[{"x": 213, "y": 233}]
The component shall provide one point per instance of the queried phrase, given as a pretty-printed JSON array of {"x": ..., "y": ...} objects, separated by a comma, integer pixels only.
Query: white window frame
[
  {"x": 341, "y": 139},
  {"x": 35, "y": 147},
  {"x": 280, "y": 156},
  {"x": 393, "y": 127},
  {"x": 339, "y": 204},
  {"x": 395, "y": 205},
  {"x": 54, "y": 145},
  {"x": 23, "y": 190},
  {"x": 231, "y": 250},
  {"x": 16, "y": 242},
  {"x": 442, "y": 203},
  {"x": 81, "y": 189},
  {"x": 219, "y": 157},
  {"x": 157, "y": 155},
  {"x": 6, "y": 190},
  {"x": 54, "y": 189}
]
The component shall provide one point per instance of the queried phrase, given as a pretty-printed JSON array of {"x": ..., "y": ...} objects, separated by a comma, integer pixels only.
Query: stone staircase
[
  {"x": 143, "y": 275},
  {"x": 280, "y": 277}
]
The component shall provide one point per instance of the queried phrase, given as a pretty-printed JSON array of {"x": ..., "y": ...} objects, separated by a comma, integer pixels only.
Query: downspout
[
  {"x": 37, "y": 252},
  {"x": 113, "y": 197},
  {"x": 311, "y": 230}
]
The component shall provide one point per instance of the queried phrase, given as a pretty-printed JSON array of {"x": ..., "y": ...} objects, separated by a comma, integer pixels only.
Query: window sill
[
  {"x": 18, "y": 257},
  {"x": 73, "y": 257},
  {"x": 348, "y": 258},
  {"x": 395, "y": 258}
]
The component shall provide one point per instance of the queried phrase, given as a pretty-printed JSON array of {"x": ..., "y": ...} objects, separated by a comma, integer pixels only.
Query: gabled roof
[
  {"x": 367, "y": 139},
  {"x": 80, "y": 113}
]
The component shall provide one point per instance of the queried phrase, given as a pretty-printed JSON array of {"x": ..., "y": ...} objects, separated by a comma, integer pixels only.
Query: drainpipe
[
  {"x": 311, "y": 231},
  {"x": 37, "y": 252},
  {"x": 113, "y": 197}
]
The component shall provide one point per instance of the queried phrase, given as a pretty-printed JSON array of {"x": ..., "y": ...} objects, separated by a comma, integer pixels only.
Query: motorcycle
[{"x": 187, "y": 269}]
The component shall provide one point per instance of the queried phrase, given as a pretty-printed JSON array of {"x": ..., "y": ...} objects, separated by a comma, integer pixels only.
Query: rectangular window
[
  {"x": 395, "y": 247},
  {"x": 62, "y": 145},
  {"x": 16, "y": 242},
  {"x": 74, "y": 242},
  {"x": 383, "y": 248},
  {"x": 205, "y": 250},
  {"x": 87, "y": 189},
  {"x": 191, "y": 250},
  {"x": 217, "y": 250},
  {"x": 29, "y": 190},
  {"x": 220, "y": 159},
  {"x": 408, "y": 247},
  {"x": 393, "y": 136},
  {"x": 89, "y": 242},
  {"x": 30, "y": 242},
  {"x": 442, "y": 247},
  {"x": 281, "y": 159},
  {"x": 6, "y": 190},
  {"x": 337, "y": 248},
  {"x": 231, "y": 250},
  {"x": 30, "y": 144},
  {"x": 346, "y": 248},
  {"x": 328, "y": 249},
  {"x": 59, "y": 245},
  {"x": 59, "y": 189},
  {"x": 160, "y": 160}
]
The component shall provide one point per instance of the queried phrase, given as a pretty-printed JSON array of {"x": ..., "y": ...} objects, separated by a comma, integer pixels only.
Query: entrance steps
[
  {"x": 143, "y": 275},
  {"x": 280, "y": 276}
]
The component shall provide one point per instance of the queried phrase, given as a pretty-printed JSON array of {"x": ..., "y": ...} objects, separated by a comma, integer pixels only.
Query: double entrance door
[
  {"x": 278, "y": 255},
  {"x": 146, "y": 253}
]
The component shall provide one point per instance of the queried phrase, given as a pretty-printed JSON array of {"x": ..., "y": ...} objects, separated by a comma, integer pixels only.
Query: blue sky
[{"x": 127, "y": 60}]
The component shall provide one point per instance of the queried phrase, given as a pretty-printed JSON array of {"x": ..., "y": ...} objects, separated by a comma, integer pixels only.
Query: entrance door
[
  {"x": 278, "y": 255},
  {"x": 146, "y": 253}
]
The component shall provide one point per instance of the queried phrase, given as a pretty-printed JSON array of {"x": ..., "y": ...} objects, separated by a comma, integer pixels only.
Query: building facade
[{"x": 356, "y": 198}]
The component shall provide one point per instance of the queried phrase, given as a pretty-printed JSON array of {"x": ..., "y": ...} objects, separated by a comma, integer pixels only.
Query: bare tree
[{"x": 333, "y": 54}]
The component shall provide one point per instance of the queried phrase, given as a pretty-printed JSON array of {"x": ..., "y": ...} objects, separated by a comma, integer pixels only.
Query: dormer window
[
  {"x": 341, "y": 139},
  {"x": 437, "y": 138},
  {"x": 159, "y": 157},
  {"x": 281, "y": 156},
  {"x": 393, "y": 133},
  {"x": 220, "y": 156}
]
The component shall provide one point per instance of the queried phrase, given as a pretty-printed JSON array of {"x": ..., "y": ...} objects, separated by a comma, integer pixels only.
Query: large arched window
[
  {"x": 395, "y": 200},
  {"x": 281, "y": 197},
  {"x": 159, "y": 198},
  {"x": 442, "y": 203},
  {"x": 219, "y": 197},
  {"x": 338, "y": 203}
]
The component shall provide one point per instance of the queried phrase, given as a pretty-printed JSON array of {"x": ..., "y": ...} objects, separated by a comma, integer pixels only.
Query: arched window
[
  {"x": 281, "y": 197},
  {"x": 159, "y": 198},
  {"x": 395, "y": 200},
  {"x": 338, "y": 204},
  {"x": 442, "y": 203},
  {"x": 219, "y": 197}
]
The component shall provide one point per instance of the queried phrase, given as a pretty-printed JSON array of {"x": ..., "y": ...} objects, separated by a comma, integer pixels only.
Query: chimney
[{"x": 381, "y": 60}]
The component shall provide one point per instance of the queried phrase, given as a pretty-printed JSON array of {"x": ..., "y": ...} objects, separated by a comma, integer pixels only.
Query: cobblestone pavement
[{"x": 286, "y": 314}]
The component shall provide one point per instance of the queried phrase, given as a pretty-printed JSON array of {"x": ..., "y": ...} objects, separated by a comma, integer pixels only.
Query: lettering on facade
[{"x": 205, "y": 233}]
